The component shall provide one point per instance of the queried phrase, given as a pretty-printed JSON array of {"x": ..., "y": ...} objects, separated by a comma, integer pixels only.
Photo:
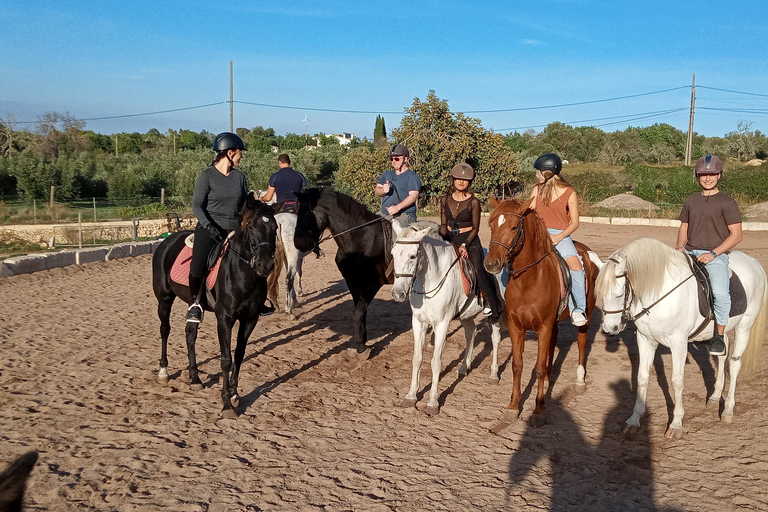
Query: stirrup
[
  {"x": 578, "y": 318},
  {"x": 195, "y": 313}
]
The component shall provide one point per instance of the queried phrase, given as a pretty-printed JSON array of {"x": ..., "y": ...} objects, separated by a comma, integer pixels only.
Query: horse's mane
[
  {"x": 348, "y": 204},
  {"x": 252, "y": 210},
  {"x": 648, "y": 263}
]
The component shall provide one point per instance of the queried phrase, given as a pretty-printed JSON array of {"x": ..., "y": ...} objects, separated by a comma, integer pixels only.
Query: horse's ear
[
  {"x": 494, "y": 202},
  {"x": 526, "y": 205},
  {"x": 252, "y": 199},
  {"x": 396, "y": 227}
]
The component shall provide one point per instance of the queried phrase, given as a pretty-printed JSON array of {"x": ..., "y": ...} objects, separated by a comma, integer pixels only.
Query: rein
[
  {"x": 413, "y": 275},
  {"x": 330, "y": 237},
  {"x": 628, "y": 289}
]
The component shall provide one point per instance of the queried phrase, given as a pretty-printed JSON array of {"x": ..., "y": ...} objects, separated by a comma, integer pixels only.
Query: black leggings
[{"x": 202, "y": 247}]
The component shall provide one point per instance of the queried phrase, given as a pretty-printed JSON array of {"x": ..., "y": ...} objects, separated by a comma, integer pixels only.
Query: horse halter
[
  {"x": 415, "y": 267},
  {"x": 628, "y": 292}
]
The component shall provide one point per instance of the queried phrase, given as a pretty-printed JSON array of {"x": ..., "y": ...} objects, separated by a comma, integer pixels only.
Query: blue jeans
[
  {"x": 721, "y": 284},
  {"x": 578, "y": 286}
]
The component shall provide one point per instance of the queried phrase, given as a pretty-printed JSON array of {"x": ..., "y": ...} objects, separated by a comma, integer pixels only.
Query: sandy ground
[{"x": 321, "y": 429}]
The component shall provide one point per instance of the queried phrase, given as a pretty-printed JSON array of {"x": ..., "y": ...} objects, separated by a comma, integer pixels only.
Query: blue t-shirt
[
  {"x": 400, "y": 185},
  {"x": 287, "y": 183}
]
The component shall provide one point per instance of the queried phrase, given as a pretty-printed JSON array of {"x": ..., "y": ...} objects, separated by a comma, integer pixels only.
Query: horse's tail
[
  {"x": 751, "y": 358},
  {"x": 272, "y": 280}
]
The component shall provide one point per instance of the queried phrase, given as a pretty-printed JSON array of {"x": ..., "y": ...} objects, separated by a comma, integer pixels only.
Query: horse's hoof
[
  {"x": 462, "y": 370},
  {"x": 537, "y": 420},
  {"x": 408, "y": 402},
  {"x": 674, "y": 433},
  {"x": 196, "y": 386},
  {"x": 162, "y": 376},
  {"x": 580, "y": 388},
  {"x": 229, "y": 414},
  {"x": 433, "y": 410},
  {"x": 630, "y": 430},
  {"x": 726, "y": 418},
  {"x": 364, "y": 352},
  {"x": 712, "y": 402},
  {"x": 235, "y": 400},
  {"x": 494, "y": 380}
]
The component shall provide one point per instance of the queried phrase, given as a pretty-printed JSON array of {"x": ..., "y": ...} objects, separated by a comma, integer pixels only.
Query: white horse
[
  {"x": 292, "y": 260},
  {"x": 652, "y": 283},
  {"x": 426, "y": 271}
]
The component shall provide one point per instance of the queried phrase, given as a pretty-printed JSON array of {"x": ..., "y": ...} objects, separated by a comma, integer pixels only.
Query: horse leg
[
  {"x": 679, "y": 354},
  {"x": 243, "y": 333},
  {"x": 714, "y": 399},
  {"x": 419, "y": 336},
  {"x": 164, "y": 312},
  {"x": 297, "y": 275},
  {"x": 224, "y": 328},
  {"x": 469, "y": 333},
  {"x": 191, "y": 333},
  {"x": 441, "y": 332},
  {"x": 734, "y": 366},
  {"x": 495, "y": 339},
  {"x": 581, "y": 370},
  {"x": 359, "y": 317},
  {"x": 647, "y": 349},
  {"x": 542, "y": 368},
  {"x": 517, "y": 336}
]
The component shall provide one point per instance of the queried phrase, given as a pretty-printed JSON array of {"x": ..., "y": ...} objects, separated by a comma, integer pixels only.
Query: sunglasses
[{"x": 396, "y": 158}]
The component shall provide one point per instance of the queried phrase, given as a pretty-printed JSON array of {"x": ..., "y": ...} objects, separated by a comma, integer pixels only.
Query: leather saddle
[{"x": 704, "y": 287}]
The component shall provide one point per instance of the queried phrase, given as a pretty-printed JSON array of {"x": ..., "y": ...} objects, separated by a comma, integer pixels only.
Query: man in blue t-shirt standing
[
  {"x": 399, "y": 187},
  {"x": 286, "y": 182}
]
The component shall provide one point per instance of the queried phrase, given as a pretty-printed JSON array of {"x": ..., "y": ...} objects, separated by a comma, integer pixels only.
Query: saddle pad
[
  {"x": 180, "y": 268},
  {"x": 465, "y": 269}
]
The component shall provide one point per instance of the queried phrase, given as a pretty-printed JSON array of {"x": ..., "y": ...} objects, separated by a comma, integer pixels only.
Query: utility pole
[
  {"x": 689, "y": 145},
  {"x": 115, "y": 144},
  {"x": 231, "y": 100}
]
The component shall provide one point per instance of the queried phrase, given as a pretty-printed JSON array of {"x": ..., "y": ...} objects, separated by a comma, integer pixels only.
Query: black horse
[
  {"x": 363, "y": 252},
  {"x": 239, "y": 294}
]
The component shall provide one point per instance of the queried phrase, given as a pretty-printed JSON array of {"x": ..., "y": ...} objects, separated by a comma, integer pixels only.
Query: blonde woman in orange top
[{"x": 555, "y": 201}]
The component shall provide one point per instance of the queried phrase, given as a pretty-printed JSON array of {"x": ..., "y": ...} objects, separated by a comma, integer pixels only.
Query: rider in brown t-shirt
[{"x": 710, "y": 226}]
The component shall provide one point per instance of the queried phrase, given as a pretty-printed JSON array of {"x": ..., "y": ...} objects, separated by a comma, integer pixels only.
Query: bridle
[
  {"x": 416, "y": 269},
  {"x": 316, "y": 248},
  {"x": 518, "y": 240},
  {"x": 253, "y": 248},
  {"x": 626, "y": 316}
]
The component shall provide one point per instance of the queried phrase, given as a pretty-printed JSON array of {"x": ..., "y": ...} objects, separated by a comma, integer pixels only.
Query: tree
[
  {"x": 742, "y": 141},
  {"x": 379, "y": 133},
  {"x": 437, "y": 140}
]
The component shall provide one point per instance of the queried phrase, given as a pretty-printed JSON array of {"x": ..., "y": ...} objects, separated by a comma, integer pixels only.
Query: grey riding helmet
[
  {"x": 463, "y": 172},
  {"x": 549, "y": 162},
  {"x": 709, "y": 165},
  {"x": 398, "y": 150},
  {"x": 227, "y": 140}
]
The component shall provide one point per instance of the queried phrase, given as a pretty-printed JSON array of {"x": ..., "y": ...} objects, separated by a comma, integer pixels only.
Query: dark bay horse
[
  {"x": 239, "y": 294},
  {"x": 519, "y": 241},
  {"x": 363, "y": 253}
]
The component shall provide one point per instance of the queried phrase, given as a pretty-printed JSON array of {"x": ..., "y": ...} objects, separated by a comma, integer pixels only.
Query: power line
[
  {"x": 137, "y": 115},
  {"x": 734, "y": 92},
  {"x": 632, "y": 117}
]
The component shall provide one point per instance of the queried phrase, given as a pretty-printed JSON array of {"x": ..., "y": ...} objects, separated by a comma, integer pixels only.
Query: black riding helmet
[
  {"x": 399, "y": 150},
  {"x": 227, "y": 140},
  {"x": 549, "y": 162}
]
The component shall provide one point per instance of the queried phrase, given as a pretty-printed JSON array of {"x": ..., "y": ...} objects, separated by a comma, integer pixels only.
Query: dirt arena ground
[{"x": 321, "y": 429}]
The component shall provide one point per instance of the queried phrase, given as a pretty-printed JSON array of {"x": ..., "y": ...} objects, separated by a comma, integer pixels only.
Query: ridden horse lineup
[{"x": 519, "y": 243}]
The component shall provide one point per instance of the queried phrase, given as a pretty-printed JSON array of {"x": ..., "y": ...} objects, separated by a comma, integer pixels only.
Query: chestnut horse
[{"x": 519, "y": 241}]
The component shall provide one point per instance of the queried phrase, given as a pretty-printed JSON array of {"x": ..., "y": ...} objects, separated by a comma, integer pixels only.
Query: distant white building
[{"x": 345, "y": 138}]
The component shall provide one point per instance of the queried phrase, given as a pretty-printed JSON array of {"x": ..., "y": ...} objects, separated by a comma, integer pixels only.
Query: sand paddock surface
[{"x": 322, "y": 429}]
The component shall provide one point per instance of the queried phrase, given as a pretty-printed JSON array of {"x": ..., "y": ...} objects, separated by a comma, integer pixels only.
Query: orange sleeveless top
[{"x": 556, "y": 214}]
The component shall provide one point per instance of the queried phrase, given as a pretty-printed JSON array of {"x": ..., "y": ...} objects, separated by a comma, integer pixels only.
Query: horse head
[
  {"x": 310, "y": 223},
  {"x": 511, "y": 222},
  {"x": 613, "y": 288},
  {"x": 258, "y": 232},
  {"x": 407, "y": 254}
]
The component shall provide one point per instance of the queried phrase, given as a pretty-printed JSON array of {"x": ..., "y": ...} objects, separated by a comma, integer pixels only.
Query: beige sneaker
[{"x": 578, "y": 318}]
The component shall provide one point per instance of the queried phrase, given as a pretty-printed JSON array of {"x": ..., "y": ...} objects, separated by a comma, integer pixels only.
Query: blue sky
[{"x": 119, "y": 58}]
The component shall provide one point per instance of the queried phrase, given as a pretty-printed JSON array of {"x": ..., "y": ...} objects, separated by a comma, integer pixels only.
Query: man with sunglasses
[{"x": 399, "y": 187}]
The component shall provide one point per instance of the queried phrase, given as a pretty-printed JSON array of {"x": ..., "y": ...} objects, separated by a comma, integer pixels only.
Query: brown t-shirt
[{"x": 708, "y": 218}]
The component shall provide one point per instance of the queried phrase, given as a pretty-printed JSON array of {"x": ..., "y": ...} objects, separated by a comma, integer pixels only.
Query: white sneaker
[{"x": 578, "y": 318}]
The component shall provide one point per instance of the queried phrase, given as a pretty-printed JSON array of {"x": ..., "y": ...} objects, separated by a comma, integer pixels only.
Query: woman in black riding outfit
[
  {"x": 460, "y": 225},
  {"x": 220, "y": 193}
]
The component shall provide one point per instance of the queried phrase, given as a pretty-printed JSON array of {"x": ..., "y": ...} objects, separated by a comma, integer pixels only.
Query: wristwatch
[{"x": 713, "y": 253}]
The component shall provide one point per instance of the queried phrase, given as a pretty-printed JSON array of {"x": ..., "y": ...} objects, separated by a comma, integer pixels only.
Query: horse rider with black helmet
[
  {"x": 220, "y": 193},
  {"x": 399, "y": 187},
  {"x": 557, "y": 204}
]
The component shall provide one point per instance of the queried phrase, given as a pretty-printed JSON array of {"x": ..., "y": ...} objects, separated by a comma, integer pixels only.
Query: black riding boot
[{"x": 195, "y": 311}]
